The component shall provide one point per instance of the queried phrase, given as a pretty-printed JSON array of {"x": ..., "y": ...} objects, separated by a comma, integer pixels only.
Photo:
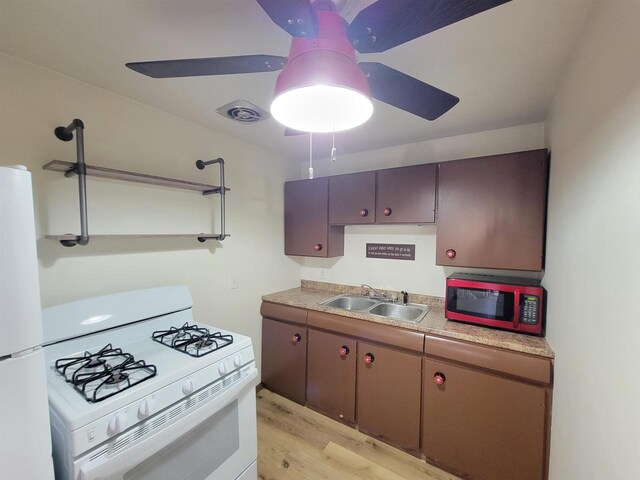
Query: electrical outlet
[{"x": 233, "y": 281}]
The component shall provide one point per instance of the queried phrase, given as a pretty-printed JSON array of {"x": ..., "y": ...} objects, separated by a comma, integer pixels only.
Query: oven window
[
  {"x": 197, "y": 454},
  {"x": 483, "y": 303}
]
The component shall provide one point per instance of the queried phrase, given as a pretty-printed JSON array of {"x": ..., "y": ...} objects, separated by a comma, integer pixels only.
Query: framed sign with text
[{"x": 395, "y": 251}]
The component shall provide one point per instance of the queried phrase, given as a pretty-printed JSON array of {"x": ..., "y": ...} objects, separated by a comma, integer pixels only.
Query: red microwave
[{"x": 508, "y": 303}]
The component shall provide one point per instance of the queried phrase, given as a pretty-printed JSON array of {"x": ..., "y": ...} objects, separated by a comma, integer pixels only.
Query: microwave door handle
[{"x": 516, "y": 307}]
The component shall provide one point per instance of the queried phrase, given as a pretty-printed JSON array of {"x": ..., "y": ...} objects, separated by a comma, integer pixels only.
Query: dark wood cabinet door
[
  {"x": 491, "y": 211},
  {"x": 352, "y": 199},
  {"x": 406, "y": 194},
  {"x": 284, "y": 358},
  {"x": 306, "y": 220},
  {"x": 331, "y": 375},
  {"x": 483, "y": 426},
  {"x": 388, "y": 395}
]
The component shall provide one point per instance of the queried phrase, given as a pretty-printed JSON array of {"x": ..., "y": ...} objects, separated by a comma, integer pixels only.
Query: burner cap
[
  {"x": 118, "y": 376},
  {"x": 94, "y": 363}
]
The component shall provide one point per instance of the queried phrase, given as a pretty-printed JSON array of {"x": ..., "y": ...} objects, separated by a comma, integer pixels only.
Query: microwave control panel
[{"x": 529, "y": 305}]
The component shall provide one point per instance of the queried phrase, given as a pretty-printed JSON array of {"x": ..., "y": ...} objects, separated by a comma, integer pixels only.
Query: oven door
[{"x": 217, "y": 441}]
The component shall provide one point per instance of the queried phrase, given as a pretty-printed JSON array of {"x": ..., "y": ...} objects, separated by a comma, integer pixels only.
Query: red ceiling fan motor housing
[{"x": 328, "y": 59}]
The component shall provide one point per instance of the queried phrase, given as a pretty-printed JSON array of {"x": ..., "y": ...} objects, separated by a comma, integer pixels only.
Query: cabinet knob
[
  {"x": 344, "y": 351},
  {"x": 369, "y": 358},
  {"x": 317, "y": 247},
  {"x": 386, "y": 212},
  {"x": 364, "y": 212},
  {"x": 439, "y": 378},
  {"x": 451, "y": 253},
  {"x": 296, "y": 338}
]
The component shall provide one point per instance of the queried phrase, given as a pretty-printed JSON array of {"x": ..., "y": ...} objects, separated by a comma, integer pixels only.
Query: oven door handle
[
  {"x": 113, "y": 467},
  {"x": 516, "y": 308}
]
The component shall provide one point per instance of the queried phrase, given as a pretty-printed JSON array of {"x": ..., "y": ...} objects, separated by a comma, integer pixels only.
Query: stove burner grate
[
  {"x": 192, "y": 339},
  {"x": 98, "y": 376}
]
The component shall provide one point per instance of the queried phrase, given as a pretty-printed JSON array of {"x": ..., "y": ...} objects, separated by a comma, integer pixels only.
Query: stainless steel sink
[
  {"x": 411, "y": 312},
  {"x": 351, "y": 302}
]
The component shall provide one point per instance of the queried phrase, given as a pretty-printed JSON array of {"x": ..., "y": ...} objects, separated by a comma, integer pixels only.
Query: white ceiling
[{"x": 504, "y": 64}]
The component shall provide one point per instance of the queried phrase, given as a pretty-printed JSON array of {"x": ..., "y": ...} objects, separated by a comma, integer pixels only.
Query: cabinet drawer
[
  {"x": 512, "y": 363},
  {"x": 387, "y": 334},
  {"x": 284, "y": 313}
]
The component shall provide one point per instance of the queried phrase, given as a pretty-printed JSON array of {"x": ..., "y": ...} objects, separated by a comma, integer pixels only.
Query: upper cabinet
[
  {"x": 406, "y": 194},
  {"x": 306, "y": 220},
  {"x": 352, "y": 199},
  {"x": 491, "y": 211}
]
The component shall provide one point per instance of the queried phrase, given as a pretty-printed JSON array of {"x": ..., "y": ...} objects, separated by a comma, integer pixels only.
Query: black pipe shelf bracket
[
  {"x": 81, "y": 169},
  {"x": 221, "y": 190}
]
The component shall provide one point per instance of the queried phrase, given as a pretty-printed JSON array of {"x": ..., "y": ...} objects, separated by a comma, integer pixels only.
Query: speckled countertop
[{"x": 310, "y": 294}]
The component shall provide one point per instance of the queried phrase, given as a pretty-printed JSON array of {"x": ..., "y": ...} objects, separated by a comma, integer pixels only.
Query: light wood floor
[{"x": 296, "y": 443}]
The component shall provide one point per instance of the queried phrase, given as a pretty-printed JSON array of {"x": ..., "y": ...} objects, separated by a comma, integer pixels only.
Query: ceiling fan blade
[
  {"x": 296, "y": 17},
  {"x": 405, "y": 92},
  {"x": 290, "y": 132},
  {"x": 194, "y": 67},
  {"x": 389, "y": 23}
]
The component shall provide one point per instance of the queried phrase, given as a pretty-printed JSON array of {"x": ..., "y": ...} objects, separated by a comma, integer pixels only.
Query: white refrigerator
[{"x": 25, "y": 438}]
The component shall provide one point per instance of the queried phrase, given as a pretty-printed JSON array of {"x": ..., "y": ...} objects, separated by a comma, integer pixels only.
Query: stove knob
[
  {"x": 222, "y": 369},
  {"x": 237, "y": 361},
  {"x": 189, "y": 386},
  {"x": 117, "y": 424},
  {"x": 145, "y": 409}
]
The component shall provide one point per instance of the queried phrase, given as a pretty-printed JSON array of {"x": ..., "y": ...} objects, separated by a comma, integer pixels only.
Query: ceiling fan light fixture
[
  {"x": 322, "y": 108},
  {"x": 322, "y": 88}
]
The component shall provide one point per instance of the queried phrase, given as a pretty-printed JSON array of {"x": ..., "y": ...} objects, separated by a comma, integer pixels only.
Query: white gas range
[{"x": 138, "y": 390}]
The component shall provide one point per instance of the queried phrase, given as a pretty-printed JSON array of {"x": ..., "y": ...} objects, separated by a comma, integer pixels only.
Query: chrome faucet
[{"x": 378, "y": 294}]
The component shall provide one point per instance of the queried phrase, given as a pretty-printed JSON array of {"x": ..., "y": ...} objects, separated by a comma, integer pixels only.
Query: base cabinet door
[
  {"x": 483, "y": 426},
  {"x": 388, "y": 394},
  {"x": 331, "y": 375},
  {"x": 284, "y": 358}
]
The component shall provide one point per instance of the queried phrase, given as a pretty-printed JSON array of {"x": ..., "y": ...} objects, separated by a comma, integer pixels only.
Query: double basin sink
[{"x": 411, "y": 312}]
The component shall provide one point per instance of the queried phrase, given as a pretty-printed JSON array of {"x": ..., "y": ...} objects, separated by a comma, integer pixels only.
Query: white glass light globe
[{"x": 321, "y": 108}]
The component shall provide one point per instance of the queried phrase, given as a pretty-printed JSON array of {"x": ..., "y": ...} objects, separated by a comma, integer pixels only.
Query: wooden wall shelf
[
  {"x": 103, "y": 172},
  {"x": 81, "y": 170}
]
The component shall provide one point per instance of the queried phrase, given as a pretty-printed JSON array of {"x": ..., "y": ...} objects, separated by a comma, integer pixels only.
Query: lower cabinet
[
  {"x": 284, "y": 358},
  {"x": 331, "y": 375},
  {"x": 483, "y": 426},
  {"x": 479, "y": 412},
  {"x": 388, "y": 394}
]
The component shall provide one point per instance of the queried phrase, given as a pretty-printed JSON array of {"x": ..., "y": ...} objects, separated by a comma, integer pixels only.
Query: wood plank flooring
[{"x": 296, "y": 443}]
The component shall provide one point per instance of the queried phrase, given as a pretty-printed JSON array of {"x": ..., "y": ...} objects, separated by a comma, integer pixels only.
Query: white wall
[
  {"x": 121, "y": 133},
  {"x": 593, "y": 255},
  {"x": 422, "y": 275}
]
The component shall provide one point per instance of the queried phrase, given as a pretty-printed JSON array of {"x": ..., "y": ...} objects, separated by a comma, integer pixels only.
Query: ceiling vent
[{"x": 244, "y": 112}]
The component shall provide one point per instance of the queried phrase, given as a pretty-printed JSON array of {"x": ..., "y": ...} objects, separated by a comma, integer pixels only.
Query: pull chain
[
  {"x": 333, "y": 147},
  {"x": 310, "y": 156}
]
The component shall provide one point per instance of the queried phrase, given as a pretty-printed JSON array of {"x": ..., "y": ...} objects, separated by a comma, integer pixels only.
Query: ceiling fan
[{"x": 322, "y": 86}]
